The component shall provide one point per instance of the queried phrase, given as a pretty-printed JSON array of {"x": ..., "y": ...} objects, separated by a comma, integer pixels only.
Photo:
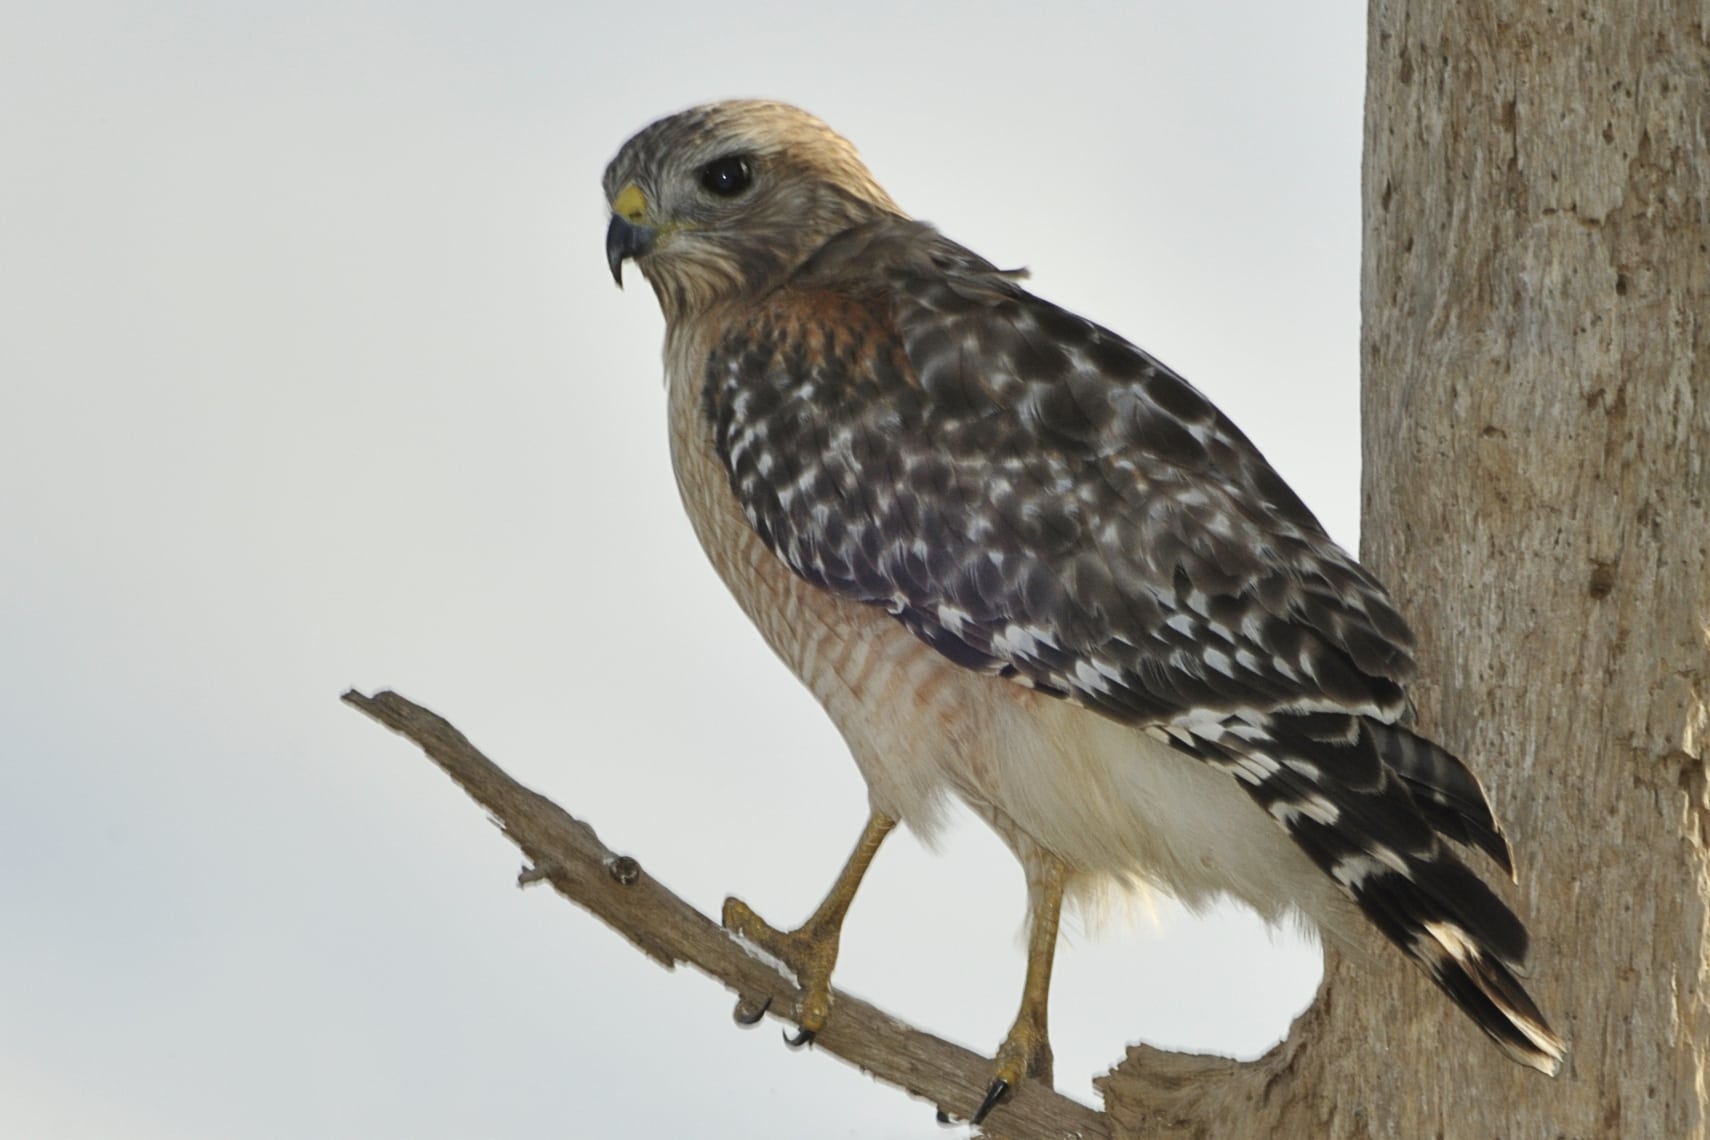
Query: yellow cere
[{"x": 630, "y": 204}]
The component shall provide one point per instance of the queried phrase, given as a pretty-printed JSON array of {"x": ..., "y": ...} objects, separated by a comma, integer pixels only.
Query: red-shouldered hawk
[{"x": 1021, "y": 562}]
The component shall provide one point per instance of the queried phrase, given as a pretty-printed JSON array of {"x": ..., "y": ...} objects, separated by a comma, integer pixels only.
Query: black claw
[
  {"x": 750, "y": 1017},
  {"x": 803, "y": 1037},
  {"x": 994, "y": 1097}
]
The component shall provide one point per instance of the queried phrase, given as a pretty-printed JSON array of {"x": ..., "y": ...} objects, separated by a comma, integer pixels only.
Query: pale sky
[{"x": 312, "y": 376}]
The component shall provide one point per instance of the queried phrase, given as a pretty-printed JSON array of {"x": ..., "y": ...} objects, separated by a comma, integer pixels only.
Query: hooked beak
[{"x": 624, "y": 240}]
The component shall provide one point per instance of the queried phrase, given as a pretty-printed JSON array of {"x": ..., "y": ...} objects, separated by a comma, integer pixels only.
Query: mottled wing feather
[{"x": 1034, "y": 496}]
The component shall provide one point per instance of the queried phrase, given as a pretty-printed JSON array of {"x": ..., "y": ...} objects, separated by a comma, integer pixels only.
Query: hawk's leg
[
  {"x": 1026, "y": 1052},
  {"x": 811, "y": 949}
]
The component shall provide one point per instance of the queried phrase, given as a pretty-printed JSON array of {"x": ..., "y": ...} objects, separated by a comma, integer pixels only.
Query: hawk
[{"x": 1021, "y": 562}]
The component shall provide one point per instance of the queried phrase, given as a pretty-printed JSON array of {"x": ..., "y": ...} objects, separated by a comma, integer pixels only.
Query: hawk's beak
[{"x": 624, "y": 240}]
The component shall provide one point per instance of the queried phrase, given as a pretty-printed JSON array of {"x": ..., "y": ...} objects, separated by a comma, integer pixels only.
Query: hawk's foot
[
  {"x": 811, "y": 949},
  {"x": 1024, "y": 1055},
  {"x": 810, "y": 952}
]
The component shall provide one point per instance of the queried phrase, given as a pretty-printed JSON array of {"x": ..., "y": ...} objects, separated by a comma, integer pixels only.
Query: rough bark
[{"x": 1536, "y": 415}]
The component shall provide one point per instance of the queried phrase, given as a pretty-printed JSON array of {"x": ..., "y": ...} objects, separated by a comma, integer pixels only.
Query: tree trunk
[
  {"x": 1536, "y": 300},
  {"x": 1536, "y": 413}
]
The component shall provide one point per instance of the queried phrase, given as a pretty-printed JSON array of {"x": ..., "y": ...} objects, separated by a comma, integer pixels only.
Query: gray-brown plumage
[{"x": 1020, "y": 561}]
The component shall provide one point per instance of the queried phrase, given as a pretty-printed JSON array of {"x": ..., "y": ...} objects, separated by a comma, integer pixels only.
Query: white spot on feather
[
  {"x": 1254, "y": 767},
  {"x": 1023, "y": 640},
  {"x": 1316, "y": 808},
  {"x": 1354, "y": 870},
  {"x": 1091, "y": 677},
  {"x": 952, "y": 618}
]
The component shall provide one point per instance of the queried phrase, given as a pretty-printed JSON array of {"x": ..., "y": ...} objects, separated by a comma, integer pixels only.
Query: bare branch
[{"x": 565, "y": 851}]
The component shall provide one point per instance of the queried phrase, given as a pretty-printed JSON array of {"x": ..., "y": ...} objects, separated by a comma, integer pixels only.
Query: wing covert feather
[{"x": 1032, "y": 495}]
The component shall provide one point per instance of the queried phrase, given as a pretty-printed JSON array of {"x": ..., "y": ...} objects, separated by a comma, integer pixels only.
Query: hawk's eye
[{"x": 727, "y": 177}]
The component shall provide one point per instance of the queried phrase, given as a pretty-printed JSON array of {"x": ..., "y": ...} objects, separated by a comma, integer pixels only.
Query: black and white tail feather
[
  {"x": 1370, "y": 803},
  {"x": 1446, "y": 794}
]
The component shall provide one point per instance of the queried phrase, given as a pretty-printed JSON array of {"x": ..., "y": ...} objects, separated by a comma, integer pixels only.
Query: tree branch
[{"x": 565, "y": 851}]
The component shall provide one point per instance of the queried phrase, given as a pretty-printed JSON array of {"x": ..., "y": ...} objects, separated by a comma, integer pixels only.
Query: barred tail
[
  {"x": 1444, "y": 791},
  {"x": 1371, "y": 804}
]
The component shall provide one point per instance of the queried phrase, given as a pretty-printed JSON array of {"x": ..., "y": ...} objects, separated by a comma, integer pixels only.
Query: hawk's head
[{"x": 724, "y": 199}]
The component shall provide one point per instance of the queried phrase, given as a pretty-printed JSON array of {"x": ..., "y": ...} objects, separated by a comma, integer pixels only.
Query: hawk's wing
[{"x": 1033, "y": 495}]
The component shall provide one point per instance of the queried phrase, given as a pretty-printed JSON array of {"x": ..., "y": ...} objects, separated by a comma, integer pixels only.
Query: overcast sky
[{"x": 312, "y": 376}]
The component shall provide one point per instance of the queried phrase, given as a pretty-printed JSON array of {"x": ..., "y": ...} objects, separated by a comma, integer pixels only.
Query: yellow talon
[
  {"x": 810, "y": 951},
  {"x": 810, "y": 954}
]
